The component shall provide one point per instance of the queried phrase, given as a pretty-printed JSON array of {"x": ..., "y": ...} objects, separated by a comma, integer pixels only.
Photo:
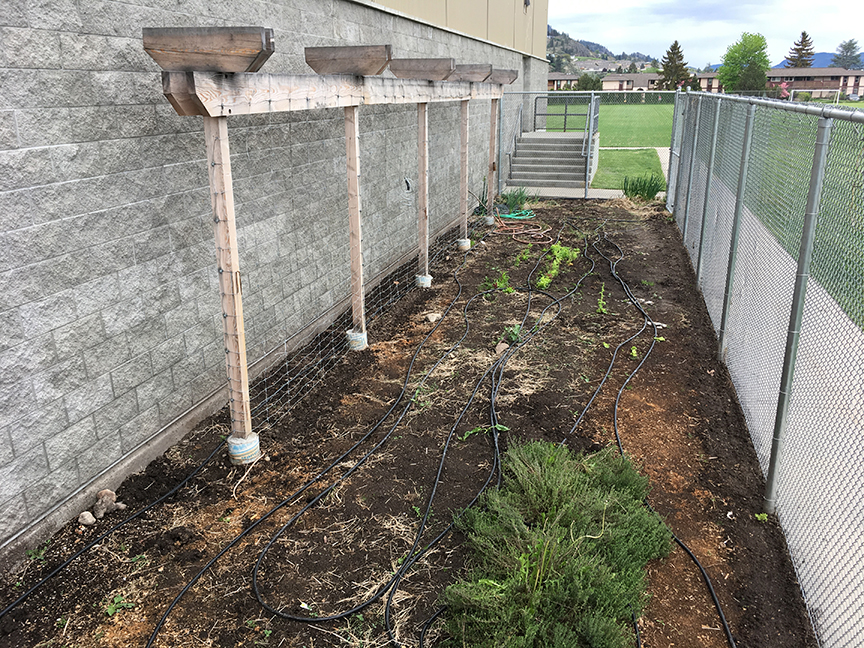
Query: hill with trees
[{"x": 561, "y": 49}]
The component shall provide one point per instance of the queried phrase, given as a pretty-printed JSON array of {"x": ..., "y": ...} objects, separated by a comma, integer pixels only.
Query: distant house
[
  {"x": 708, "y": 82},
  {"x": 639, "y": 82},
  {"x": 560, "y": 80},
  {"x": 820, "y": 81}
]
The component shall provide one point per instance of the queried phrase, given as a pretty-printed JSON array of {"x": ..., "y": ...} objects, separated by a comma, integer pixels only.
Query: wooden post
[
  {"x": 493, "y": 141},
  {"x": 352, "y": 148},
  {"x": 423, "y": 187},
  {"x": 463, "y": 175},
  {"x": 227, "y": 260}
]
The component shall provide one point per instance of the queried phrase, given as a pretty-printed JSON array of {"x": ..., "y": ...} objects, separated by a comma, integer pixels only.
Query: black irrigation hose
[
  {"x": 99, "y": 539},
  {"x": 314, "y": 480},
  {"x": 648, "y": 320}
]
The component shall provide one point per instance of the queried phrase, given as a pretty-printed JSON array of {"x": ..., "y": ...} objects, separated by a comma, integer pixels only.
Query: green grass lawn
[
  {"x": 613, "y": 166},
  {"x": 631, "y": 124}
]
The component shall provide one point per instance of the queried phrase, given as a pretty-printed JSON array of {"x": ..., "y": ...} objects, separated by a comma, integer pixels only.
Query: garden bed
[{"x": 678, "y": 419}]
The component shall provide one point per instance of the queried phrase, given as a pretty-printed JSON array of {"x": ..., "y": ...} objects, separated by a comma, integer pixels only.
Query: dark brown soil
[{"x": 678, "y": 419}]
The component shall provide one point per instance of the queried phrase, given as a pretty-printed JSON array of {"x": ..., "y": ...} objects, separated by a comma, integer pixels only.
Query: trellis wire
[{"x": 808, "y": 428}]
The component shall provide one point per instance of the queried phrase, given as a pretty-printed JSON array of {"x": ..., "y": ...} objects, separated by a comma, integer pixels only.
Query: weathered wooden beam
[
  {"x": 476, "y": 73},
  {"x": 217, "y": 49},
  {"x": 463, "y": 169},
  {"x": 504, "y": 77},
  {"x": 493, "y": 142},
  {"x": 428, "y": 69},
  {"x": 228, "y": 268},
  {"x": 222, "y": 95},
  {"x": 363, "y": 60},
  {"x": 352, "y": 150}
]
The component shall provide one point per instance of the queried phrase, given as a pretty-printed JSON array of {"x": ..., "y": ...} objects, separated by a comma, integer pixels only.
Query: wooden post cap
[{"x": 209, "y": 49}]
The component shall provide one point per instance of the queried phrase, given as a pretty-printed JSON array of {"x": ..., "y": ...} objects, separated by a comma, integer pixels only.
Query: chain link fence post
[
  {"x": 736, "y": 225},
  {"x": 692, "y": 165},
  {"x": 712, "y": 155},
  {"x": 817, "y": 174}
]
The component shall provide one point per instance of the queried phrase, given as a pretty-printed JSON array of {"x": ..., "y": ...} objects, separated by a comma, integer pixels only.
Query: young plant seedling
[
  {"x": 116, "y": 604},
  {"x": 601, "y": 301}
]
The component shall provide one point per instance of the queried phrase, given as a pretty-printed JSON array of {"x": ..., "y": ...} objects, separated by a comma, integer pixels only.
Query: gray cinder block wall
[{"x": 110, "y": 347}]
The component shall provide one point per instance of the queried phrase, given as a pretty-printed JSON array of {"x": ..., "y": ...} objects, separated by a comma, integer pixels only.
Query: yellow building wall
[{"x": 511, "y": 23}]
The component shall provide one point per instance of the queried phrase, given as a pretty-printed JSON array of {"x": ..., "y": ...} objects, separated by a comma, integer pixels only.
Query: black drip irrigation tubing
[
  {"x": 496, "y": 371},
  {"x": 649, "y": 321},
  {"x": 99, "y": 539}
]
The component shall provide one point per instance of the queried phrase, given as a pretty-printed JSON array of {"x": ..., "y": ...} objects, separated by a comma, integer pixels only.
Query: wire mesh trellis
[{"x": 755, "y": 243}]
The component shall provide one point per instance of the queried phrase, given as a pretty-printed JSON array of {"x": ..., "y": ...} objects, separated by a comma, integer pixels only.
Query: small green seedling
[
  {"x": 483, "y": 429},
  {"x": 522, "y": 257},
  {"x": 601, "y": 301},
  {"x": 660, "y": 339},
  {"x": 762, "y": 517},
  {"x": 606, "y": 345},
  {"x": 633, "y": 352},
  {"x": 38, "y": 553},
  {"x": 117, "y": 603},
  {"x": 512, "y": 333}
]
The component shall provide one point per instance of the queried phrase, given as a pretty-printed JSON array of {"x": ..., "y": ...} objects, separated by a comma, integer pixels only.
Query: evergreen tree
[
  {"x": 589, "y": 82},
  {"x": 745, "y": 64},
  {"x": 674, "y": 68},
  {"x": 848, "y": 56},
  {"x": 801, "y": 54},
  {"x": 632, "y": 69}
]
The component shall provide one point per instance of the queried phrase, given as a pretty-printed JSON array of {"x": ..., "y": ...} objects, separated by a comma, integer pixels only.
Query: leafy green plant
[
  {"x": 633, "y": 352},
  {"x": 643, "y": 187},
  {"x": 501, "y": 282},
  {"x": 116, "y": 604},
  {"x": 515, "y": 199},
  {"x": 39, "y": 552},
  {"x": 762, "y": 517},
  {"x": 483, "y": 429},
  {"x": 564, "y": 532},
  {"x": 558, "y": 256},
  {"x": 601, "y": 301},
  {"x": 522, "y": 257},
  {"x": 512, "y": 334}
]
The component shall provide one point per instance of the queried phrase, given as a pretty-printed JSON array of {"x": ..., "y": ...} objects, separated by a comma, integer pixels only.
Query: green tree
[
  {"x": 848, "y": 56},
  {"x": 589, "y": 82},
  {"x": 674, "y": 68},
  {"x": 745, "y": 64},
  {"x": 632, "y": 69},
  {"x": 801, "y": 54}
]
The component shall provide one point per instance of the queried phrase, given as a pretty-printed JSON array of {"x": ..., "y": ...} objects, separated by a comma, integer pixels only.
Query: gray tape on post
[
  {"x": 357, "y": 341},
  {"x": 423, "y": 281},
  {"x": 463, "y": 245},
  {"x": 244, "y": 451}
]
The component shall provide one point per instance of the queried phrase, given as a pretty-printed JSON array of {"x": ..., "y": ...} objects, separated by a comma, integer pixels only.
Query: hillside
[{"x": 561, "y": 50}]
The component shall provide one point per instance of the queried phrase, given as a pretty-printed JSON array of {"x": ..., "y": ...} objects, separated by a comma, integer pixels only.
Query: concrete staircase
[{"x": 548, "y": 160}]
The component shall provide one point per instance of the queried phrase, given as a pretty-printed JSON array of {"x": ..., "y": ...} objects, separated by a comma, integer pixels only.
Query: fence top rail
[
  {"x": 829, "y": 112},
  {"x": 559, "y": 93}
]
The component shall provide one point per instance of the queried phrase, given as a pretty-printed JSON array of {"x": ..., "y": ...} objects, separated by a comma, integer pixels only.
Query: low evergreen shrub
[{"x": 559, "y": 554}]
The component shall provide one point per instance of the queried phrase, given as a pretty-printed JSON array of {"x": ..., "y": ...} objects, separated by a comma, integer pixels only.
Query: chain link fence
[{"x": 769, "y": 197}]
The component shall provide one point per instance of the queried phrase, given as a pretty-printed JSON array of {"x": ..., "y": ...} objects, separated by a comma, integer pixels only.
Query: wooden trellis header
[
  {"x": 222, "y": 95},
  {"x": 210, "y": 72}
]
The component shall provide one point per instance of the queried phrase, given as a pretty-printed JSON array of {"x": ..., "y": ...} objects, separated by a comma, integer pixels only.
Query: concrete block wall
[{"x": 111, "y": 338}]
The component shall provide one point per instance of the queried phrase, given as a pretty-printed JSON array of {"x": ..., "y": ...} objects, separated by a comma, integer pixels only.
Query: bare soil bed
[{"x": 678, "y": 419}]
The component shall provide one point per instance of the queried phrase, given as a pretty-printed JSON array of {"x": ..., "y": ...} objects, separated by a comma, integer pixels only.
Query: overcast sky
[{"x": 705, "y": 28}]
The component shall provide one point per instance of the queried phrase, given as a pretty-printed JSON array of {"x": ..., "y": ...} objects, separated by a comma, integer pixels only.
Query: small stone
[
  {"x": 501, "y": 348},
  {"x": 86, "y": 518},
  {"x": 433, "y": 317}
]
